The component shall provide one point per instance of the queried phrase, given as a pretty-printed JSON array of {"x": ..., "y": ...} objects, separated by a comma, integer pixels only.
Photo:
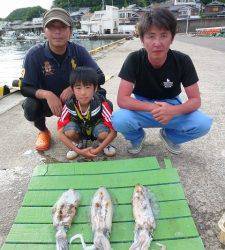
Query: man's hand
[
  {"x": 54, "y": 104},
  {"x": 86, "y": 152},
  {"x": 66, "y": 94},
  {"x": 163, "y": 113}
]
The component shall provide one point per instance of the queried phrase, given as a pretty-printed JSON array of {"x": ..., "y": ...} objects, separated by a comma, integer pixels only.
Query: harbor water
[{"x": 12, "y": 54}]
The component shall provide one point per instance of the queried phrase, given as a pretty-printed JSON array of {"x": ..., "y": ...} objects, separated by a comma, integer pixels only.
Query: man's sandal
[{"x": 43, "y": 141}]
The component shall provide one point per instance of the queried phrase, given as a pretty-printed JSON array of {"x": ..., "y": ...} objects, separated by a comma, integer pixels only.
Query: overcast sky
[{"x": 9, "y": 5}]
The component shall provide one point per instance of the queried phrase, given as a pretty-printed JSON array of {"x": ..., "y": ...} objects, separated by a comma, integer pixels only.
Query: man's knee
[
  {"x": 121, "y": 119},
  {"x": 199, "y": 124},
  {"x": 31, "y": 108},
  {"x": 204, "y": 124}
]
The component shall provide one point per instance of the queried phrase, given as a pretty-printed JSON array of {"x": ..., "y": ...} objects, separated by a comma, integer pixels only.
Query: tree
[
  {"x": 25, "y": 14},
  {"x": 125, "y": 3}
]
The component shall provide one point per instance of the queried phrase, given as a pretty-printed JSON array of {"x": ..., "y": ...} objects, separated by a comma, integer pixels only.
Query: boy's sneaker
[
  {"x": 109, "y": 150},
  {"x": 43, "y": 140},
  {"x": 71, "y": 155},
  {"x": 172, "y": 147},
  {"x": 136, "y": 148}
]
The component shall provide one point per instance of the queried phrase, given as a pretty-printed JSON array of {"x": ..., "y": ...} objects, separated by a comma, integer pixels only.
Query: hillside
[
  {"x": 25, "y": 14},
  {"x": 97, "y": 3}
]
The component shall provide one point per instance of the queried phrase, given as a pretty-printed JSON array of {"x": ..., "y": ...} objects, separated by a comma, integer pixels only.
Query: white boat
[
  {"x": 31, "y": 36},
  {"x": 9, "y": 36}
]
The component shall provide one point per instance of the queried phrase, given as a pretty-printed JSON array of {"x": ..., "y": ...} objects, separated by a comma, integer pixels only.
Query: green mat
[{"x": 33, "y": 228}]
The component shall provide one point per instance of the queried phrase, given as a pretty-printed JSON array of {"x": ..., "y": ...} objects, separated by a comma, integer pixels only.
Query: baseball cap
[{"x": 58, "y": 14}]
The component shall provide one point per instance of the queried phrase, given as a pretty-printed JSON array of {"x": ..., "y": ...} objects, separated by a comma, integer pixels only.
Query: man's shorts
[{"x": 96, "y": 130}]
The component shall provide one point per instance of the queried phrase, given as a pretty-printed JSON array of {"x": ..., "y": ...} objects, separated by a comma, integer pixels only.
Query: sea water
[{"x": 12, "y": 54}]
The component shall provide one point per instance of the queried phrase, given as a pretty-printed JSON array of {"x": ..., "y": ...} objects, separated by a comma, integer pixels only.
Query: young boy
[{"x": 87, "y": 115}]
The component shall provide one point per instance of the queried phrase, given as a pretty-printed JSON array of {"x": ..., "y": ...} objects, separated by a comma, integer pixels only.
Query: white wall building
[
  {"x": 126, "y": 28},
  {"x": 102, "y": 22},
  {"x": 37, "y": 20},
  {"x": 184, "y": 2},
  {"x": 128, "y": 18}
]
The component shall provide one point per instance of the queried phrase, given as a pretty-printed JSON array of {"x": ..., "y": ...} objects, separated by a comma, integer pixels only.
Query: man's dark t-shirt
[{"x": 160, "y": 83}]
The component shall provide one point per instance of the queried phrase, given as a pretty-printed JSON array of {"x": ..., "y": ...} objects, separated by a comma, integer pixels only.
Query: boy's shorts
[{"x": 99, "y": 128}]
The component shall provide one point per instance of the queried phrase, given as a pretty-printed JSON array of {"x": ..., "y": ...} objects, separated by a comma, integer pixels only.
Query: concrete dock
[{"x": 201, "y": 166}]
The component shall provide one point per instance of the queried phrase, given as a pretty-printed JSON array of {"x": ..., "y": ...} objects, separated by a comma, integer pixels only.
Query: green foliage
[
  {"x": 61, "y": 4},
  {"x": 125, "y": 4},
  {"x": 96, "y": 8},
  {"x": 25, "y": 14},
  {"x": 66, "y": 4},
  {"x": 209, "y": 1},
  {"x": 206, "y": 1},
  {"x": 96, "y": 5}
]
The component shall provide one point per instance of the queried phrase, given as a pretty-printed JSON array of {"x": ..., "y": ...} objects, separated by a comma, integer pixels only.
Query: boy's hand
[
  {"x": 94, "y": 151},
  {"x": 86, "y": 152}
]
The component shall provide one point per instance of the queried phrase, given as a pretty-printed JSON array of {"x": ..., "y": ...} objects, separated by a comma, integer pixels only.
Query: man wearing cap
[{"x": 46, "y": 72}]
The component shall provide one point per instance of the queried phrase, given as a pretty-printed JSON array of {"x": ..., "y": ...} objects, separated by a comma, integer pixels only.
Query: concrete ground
[{"x": 201, "y": 166}]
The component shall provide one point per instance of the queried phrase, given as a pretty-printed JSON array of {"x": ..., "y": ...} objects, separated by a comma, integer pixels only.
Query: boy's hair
[
  {"x": 83, "y": 75},
  {"x": 161, "y": 18}
]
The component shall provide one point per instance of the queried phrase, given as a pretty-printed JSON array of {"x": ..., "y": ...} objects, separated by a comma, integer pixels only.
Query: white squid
[
  {"x": 63, "y": 213},
  {"x": 101, "y": 221},
  {"x": 144, "y": 218},
  {"x": 101, "y": 218}
]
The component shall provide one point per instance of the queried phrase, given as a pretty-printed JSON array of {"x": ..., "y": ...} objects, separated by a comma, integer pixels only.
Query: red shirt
[{"x": 99, "y": 109}]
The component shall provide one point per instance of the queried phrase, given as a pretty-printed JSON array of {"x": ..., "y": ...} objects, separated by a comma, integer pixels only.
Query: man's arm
[
  {"x": 28, "y": 91},
  {"x": 53, "y": 101},
  {"x": 165, "y": 112},
  {"x": 193, "y": 102},
  {"x": 66, "y": 94},
  {"x": 31, "y": 80},
  {"x": 124, "y": 99}
]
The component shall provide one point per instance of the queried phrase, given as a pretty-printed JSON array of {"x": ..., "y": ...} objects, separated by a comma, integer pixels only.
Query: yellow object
[
  {"x": 221, "y": 225},
  {"x": 108, "y": 77},
  {"x": 1, "y": 90},
  {"x": 94, "y": 51},
  {"x": 20, "y": 83},
  {"x": 4, "y": 90},
  {"x": 73, "y": 63}
]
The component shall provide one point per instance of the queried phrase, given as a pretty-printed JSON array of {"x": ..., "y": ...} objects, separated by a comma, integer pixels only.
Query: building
[
  {"x": 185, "y": 11},
  {"x": 185, "y": 2},
  {"x": 37, "y": 21},
  {"x": 128, "y": 18},
  {"x": 213, "y": 9},
  {"x": 101, "y": 22},
  {"x": 76, "y": 15}
]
